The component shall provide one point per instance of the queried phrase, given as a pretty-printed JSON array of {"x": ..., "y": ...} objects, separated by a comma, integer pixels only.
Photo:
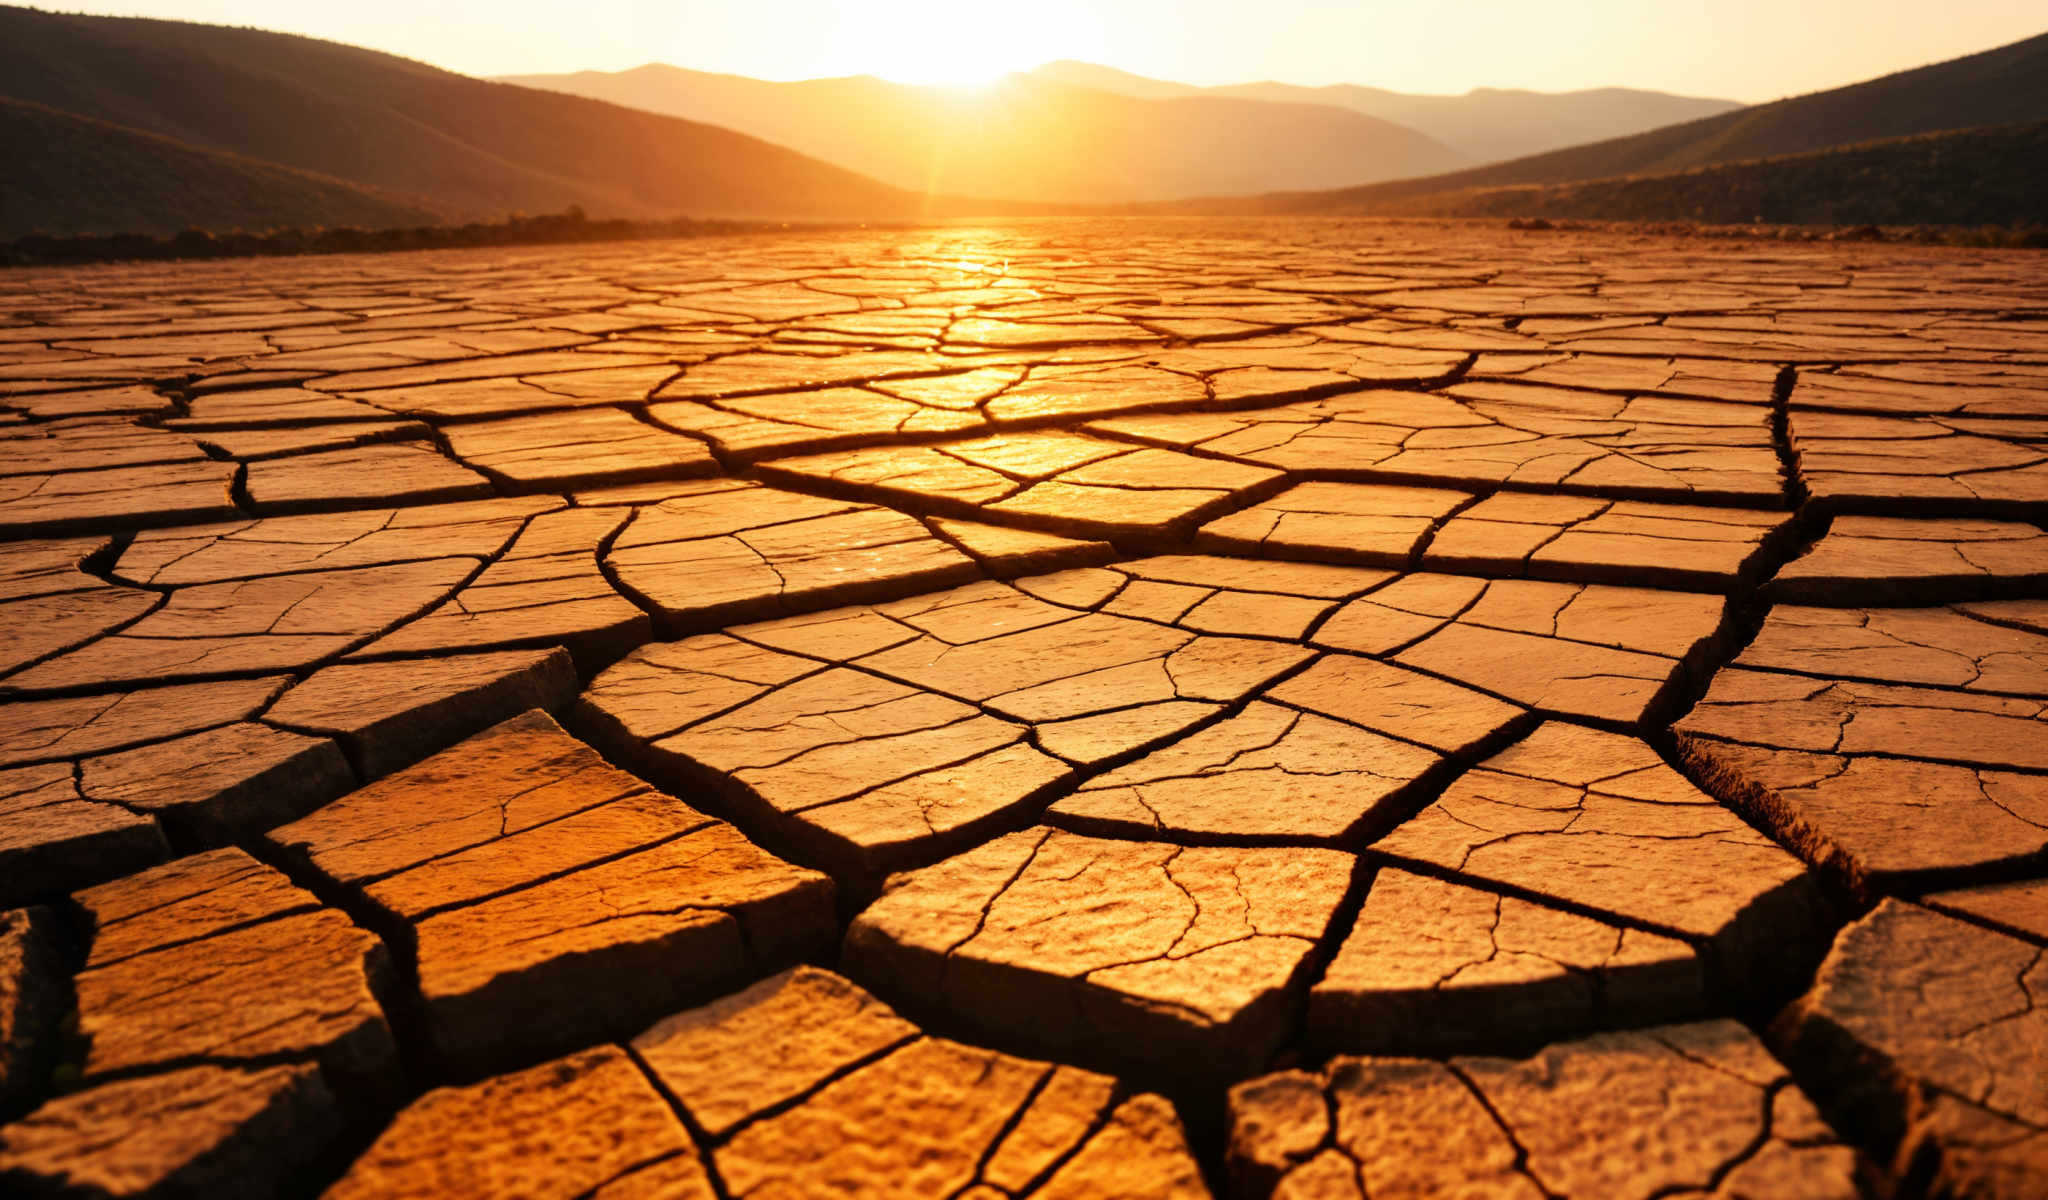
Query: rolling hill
[
  {"x": 1033, "y": 139},
  {"x": 1485, "y": 124},
  {"x": 2004, "y": 86},
  {"x": 75, "y": 174},
  {"x": 1967, "y": 177},
  {"x": 430, "y": 139}
]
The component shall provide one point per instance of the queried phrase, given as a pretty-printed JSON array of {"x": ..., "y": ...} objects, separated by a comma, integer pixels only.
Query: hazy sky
[{"x": 1743, "y": 49}]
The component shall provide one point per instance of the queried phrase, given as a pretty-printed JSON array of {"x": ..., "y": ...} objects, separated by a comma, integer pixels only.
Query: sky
[{"x": 1750, "y": 50}]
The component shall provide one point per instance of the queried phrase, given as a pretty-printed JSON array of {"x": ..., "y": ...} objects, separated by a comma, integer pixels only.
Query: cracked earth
[{"x": 1065, "y": 710}]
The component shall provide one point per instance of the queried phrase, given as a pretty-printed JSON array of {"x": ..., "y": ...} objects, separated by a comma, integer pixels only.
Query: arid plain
[{"x": 1071, "y": 709}]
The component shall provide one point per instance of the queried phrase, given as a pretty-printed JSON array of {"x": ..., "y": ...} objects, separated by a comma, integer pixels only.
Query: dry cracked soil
[{"x": 1048, "y": 710}]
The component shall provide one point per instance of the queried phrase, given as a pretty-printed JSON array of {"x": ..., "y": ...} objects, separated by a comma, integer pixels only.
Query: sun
[{"x": 961, "y": 42}]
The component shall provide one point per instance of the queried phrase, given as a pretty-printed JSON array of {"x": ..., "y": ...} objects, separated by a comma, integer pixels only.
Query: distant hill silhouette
[
  {"x": 75, "y": 174},
  {"x": 1991, "y": 176},
  {"x": 2005, "y": 86},
  {"x": 1035, "y": 139},
  {"x": 1485, "y": 124},
  {"x": 436, "y": 140}
]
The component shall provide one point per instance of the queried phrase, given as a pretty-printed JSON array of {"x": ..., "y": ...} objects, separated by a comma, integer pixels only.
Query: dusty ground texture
[{"x": 1066, "y": 710}]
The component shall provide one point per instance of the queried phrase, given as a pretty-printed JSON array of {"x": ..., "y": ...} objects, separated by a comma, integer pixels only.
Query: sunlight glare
[{"x": 960, "y": 43}]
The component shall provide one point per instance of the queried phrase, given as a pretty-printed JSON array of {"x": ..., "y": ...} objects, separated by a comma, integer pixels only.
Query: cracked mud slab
[
  {"x": 244, "y": 549},
  {"x": 273, "y": 624},
  {"x": 1174, "y": 960},
  {"x": 1985, "y": 647},
  {"x": 880, "y": 737},
  {"x": 198, "y": 1130},
  {"x": 1818, "y": 714},
  {"x": 1336, "y": 522},
  {"x": 861, "y": 772},
  {"x": 1588, "y": 540},
  {"x": 119, "y": 498},
  {"x": 1593, "y": 651},
  {"x": 1932, "y": 389},
  {"x": 217, "y": 958},
  {"x": 519, "y": 869},
  {"x": 388, "y": 715},
  {"x": 1342, "y": 749},
  {"x": 150, "y": 778},
  {"x": 732, "y": 552},
  {"x": 41, "y": 627},
  {"x": 1901, "y": 560},
  {"x": 802, "y": 1084},
  {"x": 1207, "y": 593},
  {"x": 1699, "y": 1109},
  {"x": 859, "y": 1100},
  {"x": 580, "y": 448},
  {"x": 2019, "y": 908},
  {"x": 90, "y": 445},
  {"x": 1896, "y": 464},
  {"x": 53, "y": 839},
  {"x": 1928, "y": 1033},
  {"x": 1884, "y": 784},
  {"x": 1004, "y": 552},
  {"x": 1597, "y": 821},
  {"x": 363, "y": 477},
  {"x": 1436, "y": 966},
  {"x": 208, "y": 788},
  {"x": 590, "y": 1124},
  {"x": 1060, "y": 482},
  {"x": 546, "y": 589}
]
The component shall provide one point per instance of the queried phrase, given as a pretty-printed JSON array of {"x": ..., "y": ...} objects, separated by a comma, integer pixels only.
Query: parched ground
[{"x": 1065, "y": 710}]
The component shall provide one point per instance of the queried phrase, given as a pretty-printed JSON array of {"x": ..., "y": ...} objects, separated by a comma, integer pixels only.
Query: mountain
[
  {"x": 2004, "y": 86},
  {"x": 1110, "y": 79},
  {"x": 1034, "y": 139},
  {"x": 432, "y": 139},
  {"x": 76, "y": 175},
  {"x": 1969, "y": 177},
  {"x": 1485, "y": 124}
]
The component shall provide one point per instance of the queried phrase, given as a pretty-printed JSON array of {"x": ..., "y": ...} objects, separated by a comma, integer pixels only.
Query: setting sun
[{"x": 939, "y": 42}]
